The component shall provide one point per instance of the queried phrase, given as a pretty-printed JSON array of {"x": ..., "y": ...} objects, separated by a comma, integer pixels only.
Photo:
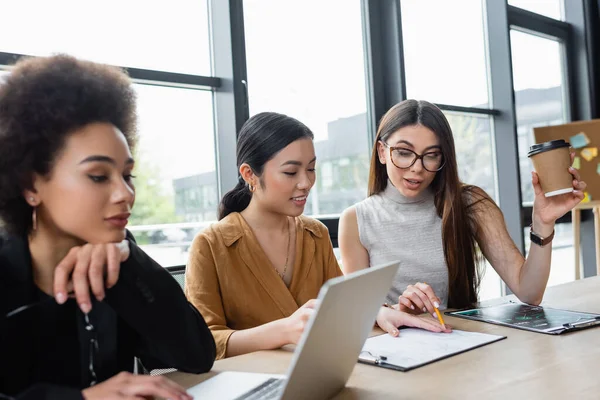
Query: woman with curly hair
[{"x": 78, "y": 299}]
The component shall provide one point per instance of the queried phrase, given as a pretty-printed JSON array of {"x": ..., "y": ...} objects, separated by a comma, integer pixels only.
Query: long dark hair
[
  {"x": 454, "y": 201},
  {"x": 260, "y": 139}
]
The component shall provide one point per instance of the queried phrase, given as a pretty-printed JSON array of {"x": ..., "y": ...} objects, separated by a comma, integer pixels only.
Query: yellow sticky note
[
  {"x": 589, "y": 153},
  {"x": 576, "y": 163},
  {"x": 586, "y": 197}
]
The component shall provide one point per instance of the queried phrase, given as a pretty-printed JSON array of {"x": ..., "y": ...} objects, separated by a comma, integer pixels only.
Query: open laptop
[{"x": 328, "y": 349}]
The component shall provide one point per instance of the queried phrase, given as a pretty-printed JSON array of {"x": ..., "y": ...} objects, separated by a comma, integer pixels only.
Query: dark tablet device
[{"x": 531, "y": 318}]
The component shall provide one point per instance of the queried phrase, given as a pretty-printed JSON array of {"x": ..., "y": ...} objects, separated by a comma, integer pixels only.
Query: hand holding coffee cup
[
  {"x": 551, "y": 161},
  {"x": 556, "y": 184}
]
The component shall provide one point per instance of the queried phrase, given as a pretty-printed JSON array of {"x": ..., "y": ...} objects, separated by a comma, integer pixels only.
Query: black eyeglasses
[
  {"x": 89, "y": 328},
  {"x": 404, "y": 158}
]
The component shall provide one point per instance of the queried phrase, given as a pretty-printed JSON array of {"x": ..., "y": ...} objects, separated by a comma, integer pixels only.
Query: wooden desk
[
  {"x": 576, "y": 222},
  {"x": 526, "y": 365}
]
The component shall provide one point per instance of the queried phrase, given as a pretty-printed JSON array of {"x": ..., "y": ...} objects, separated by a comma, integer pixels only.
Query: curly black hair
[{"x": 42, "y": 101}]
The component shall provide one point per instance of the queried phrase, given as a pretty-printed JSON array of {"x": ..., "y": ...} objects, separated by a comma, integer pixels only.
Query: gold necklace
[{"x": 287, "y": 256}]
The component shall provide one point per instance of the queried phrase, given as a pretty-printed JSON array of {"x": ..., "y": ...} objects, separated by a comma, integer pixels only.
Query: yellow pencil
[
  {"x": 440, "y": 319},
  {"x": 439, "y": 315}
]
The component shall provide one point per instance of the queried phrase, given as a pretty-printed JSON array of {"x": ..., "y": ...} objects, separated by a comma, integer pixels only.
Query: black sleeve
[
  {"x": 43, "y": 391},
  {"x": 38, "y": 391},
  {"x": 172, "y": 332}
]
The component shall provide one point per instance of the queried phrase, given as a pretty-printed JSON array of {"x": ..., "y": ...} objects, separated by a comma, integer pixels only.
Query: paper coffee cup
[{"x": 551, "y": 161}]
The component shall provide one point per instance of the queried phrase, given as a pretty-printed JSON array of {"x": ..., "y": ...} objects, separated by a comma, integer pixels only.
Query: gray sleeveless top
[{"x": 395, "y": 228}]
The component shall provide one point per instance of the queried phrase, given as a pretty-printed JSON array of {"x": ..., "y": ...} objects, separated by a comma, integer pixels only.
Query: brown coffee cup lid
[{"x": 547, "y": 146}]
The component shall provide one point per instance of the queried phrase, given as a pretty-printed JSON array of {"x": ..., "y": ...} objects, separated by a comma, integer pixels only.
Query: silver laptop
[{"x": 328, "y": 348}]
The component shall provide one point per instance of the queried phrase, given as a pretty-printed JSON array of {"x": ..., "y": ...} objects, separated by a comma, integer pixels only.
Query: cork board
[{"x": 587, "y": 155}]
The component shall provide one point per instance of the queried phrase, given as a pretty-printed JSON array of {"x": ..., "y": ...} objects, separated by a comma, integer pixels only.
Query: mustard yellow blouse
[{"x": 231, "y": 281}]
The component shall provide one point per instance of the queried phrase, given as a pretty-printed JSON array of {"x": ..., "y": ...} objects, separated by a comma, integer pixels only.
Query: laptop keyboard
[{"x": 270, "y": 389}]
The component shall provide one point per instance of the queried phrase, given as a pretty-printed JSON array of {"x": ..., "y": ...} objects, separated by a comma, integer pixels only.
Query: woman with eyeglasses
[
  {"x": 78, "y": 298},
  {"x": 419, "y": 212}
]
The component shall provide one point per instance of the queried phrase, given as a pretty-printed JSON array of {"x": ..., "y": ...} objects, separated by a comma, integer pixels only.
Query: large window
[
  {"x": 540, "y": 100},
  {"x": 337, "y": 66},
  {"x": 540, "y": 80},
  {"x": 305, "y": 59},
  {"x": 176, "y": 184},
  {"x": 444, "y": 52},
  {"x": 162, "y": 36}
]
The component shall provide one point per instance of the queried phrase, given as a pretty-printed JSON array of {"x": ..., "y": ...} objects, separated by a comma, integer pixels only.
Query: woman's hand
[
  {"x": 419, "y": 298},
  {"x": 129, "y": 386},
  {"x": 86, "y": 267},
  {"x": 546, "y": 210},
  {"x": 389, "y": 319},
  {"x": 295, "y": 323}
]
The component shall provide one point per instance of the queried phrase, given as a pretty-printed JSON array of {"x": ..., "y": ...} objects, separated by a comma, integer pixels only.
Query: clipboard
[
  {"x": 538, "y": 319},
  {"x": 379, "y": 361},
  {"x": 415, "y": 348}
]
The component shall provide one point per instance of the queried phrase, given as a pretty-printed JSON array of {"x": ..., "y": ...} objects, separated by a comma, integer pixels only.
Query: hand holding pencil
[
  {"x": 420, "y": 298},
  {"x": 390, "y": 319}
]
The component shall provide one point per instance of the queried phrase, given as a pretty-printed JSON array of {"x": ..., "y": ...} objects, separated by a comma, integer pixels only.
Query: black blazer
[{"x": 44, "y": 350}]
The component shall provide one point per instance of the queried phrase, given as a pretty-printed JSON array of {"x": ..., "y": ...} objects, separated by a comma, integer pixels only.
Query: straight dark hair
[
  {"x": 260, "y": 139},
  {"x": 454, "y": 201}
]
